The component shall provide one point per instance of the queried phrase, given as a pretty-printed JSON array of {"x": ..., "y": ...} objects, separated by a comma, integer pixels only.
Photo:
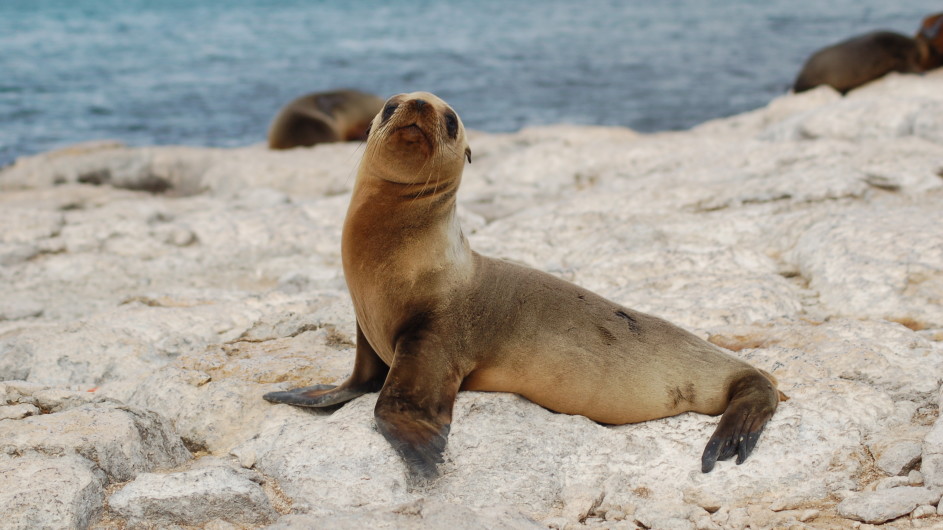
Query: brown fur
[
  {"x": 859, "y": 60},
  {"x": 930, "y": 40},
  {"x": 444, "y": 318},
  {"x": 338, "y": 116}
]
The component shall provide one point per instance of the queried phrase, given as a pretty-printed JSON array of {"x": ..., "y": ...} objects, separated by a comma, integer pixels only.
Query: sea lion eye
[
  {"x": 451, "y": 124},
  {"x": 388, "y": 111}
]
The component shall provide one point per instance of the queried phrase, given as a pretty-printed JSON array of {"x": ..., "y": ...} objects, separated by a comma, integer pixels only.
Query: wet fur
[{"x": 444, "y": 318}]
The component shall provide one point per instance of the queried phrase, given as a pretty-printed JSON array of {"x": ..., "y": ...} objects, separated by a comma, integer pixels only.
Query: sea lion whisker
[
  {"x": 422, "y": 189},
  {"x": 351, "y": 173}
]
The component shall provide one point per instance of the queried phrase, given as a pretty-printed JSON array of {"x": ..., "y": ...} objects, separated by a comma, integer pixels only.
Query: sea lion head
[
  {"x": 932, "y": 27},
  {"x": 931, "y": 35},
  {"x": 416, "y": 138}
]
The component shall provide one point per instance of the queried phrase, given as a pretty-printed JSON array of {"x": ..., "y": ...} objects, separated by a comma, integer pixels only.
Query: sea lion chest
[{"x": 400, "y": 271}]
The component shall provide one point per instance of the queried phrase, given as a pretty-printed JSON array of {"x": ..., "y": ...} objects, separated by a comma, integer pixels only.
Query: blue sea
[{"x": 214, "y": 72}]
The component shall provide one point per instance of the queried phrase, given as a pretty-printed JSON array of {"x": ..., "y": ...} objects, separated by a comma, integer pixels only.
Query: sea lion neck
[
  {"x": 431, "y": 197},
  {"x": 384, "y": 215},
  {"x": 925, "y": 56}
]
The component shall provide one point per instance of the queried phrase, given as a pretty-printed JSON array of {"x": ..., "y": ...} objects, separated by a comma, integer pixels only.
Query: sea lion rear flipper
[
  {"x": 368, "y": 376},
  {"x": 414, "y": 410},
  {"x": 753, "y": 399}
]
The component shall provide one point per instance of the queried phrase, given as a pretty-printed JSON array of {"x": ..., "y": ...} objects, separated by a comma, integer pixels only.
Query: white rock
[
  {"x": 17, "y": 412},
  {"x": 921, "y": 512},
  {"x": 184, "y": 171},
  {"x": 932, "y": 465},
  {"x": 121, "y": 441},
  {"x": 193, "y": 498},
  {"x": 19, "y": 309},
  {"x": 13, "y": 254},
  {"x": 891, "y": 482},
  {"x": 899, "y": 457},
  {"x": 705, "y": 523},
  {"x": 26, "y": 225},
  {"x": 808, "y": 515},
  {"x": 896, "y": 106},
  {"x": 420, "y": 514},
  {"x": 862, "y": 263},
  {"x": 879, "y": 506},
  {"x": 67, "y": 491},
  {"x": 219, "y": 524}
]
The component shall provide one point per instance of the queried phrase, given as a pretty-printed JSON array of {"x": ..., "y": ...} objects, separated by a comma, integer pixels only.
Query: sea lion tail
[{"x": 753, "y": 399}]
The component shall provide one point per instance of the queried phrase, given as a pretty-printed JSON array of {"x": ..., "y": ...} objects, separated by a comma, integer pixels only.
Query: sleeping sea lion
[{"x": 338, "y": 116}]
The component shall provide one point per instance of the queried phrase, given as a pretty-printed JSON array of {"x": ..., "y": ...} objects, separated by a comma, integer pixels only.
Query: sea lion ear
[{"x": 468, "y": 154}]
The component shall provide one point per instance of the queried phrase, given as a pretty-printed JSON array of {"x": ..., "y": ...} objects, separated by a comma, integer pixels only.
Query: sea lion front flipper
[
  {"x": 414, "y": 410},
  {"x": 753, "y": 399},
  {"x": 313, "y": 396},
  {"x": 368, "y": 376}
]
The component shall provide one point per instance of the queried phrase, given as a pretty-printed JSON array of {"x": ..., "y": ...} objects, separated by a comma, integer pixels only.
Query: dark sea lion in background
[
  {"x": 856, "y": 61},
  {"x": 859, "y": 60},
  {"x": 338, "y": 116},
  {"x": 435, "y": 317}
]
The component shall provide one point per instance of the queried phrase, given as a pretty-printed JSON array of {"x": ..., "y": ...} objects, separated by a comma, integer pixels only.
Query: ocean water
[{"x": 215, "y": 72}]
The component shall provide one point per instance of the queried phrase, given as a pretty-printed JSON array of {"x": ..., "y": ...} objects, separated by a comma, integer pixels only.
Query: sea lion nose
[{"x": 419, "y": 103}]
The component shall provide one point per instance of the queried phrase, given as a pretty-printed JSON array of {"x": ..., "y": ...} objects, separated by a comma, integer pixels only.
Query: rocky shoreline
[{"x": 149, "y": 296}]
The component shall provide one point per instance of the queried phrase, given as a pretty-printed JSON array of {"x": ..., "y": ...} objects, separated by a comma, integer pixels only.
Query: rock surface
[
  {"x": 150, "y": 296},
  {"x": 418, "y": 515},
  {"x": 884, "y": 505},
  {"x": 900, "y": 458},
  {"x": 197, "y": 496},
  {"x": 41, "y": 492},
  {"x": 933, "y": 454},
  {"x": 56, "y": 461}
]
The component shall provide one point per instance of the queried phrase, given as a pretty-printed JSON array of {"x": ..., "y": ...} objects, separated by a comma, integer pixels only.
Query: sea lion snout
[
  {"x": 417, "y": 105},
  {"x": 411, "y": 134},
  {"x": 418, "y": 108}
]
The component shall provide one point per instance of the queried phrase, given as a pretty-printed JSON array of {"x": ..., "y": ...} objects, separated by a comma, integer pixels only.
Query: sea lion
[
  {"x": 435, "y": 317},
  {"x": 856, "y": 61},
  {"x": 338, "y": 116}
]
